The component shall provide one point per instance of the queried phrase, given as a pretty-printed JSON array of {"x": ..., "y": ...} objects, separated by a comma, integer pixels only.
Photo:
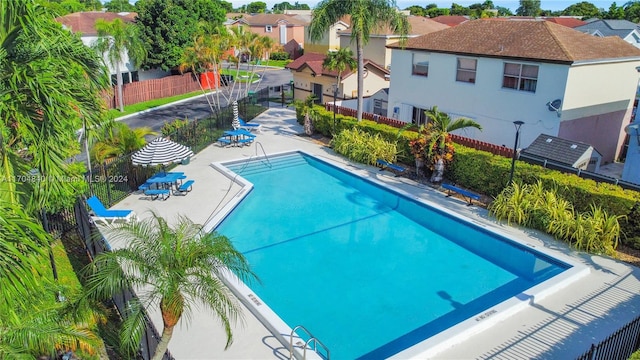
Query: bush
[
  {"x": 279, "y": 55},
  {"x": 533, "y": 206},
  {"x": 357, "y": 145},
  {"x": 170, "y": 128}
]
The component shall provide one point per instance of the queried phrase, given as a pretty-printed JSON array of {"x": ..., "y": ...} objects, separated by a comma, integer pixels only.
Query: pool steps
[
  {"x": 275, "y": 163},
  {"x": 307, "y": 345}
]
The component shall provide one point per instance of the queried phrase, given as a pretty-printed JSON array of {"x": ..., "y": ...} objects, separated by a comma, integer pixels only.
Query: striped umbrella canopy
[
  {"x": 235, "y": 123},
  {"x": 161, "y": 151}
]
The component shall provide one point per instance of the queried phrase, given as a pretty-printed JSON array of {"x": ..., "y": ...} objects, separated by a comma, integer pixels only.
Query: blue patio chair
[
  {"x": 102, "y": 214},
  {"x": 249, "y": 126}
]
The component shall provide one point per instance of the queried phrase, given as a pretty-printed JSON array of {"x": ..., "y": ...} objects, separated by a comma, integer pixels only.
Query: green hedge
[{"x": 488, "y": 174}]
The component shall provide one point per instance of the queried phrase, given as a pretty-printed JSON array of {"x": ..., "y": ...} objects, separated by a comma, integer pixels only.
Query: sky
[{"x": 552, "y": 5}]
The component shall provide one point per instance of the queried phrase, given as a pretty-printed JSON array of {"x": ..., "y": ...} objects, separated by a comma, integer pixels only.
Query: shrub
[
  {"x": 279, "y": 55},
  {"x": 362, "y": 147},
  {"x": 170, "y": 128},
  {"x": 533, "y": 206}
]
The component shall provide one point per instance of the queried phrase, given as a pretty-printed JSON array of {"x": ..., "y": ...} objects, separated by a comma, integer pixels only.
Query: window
[
  {"x": 520, "y": 77},
  {"x": 268, "y": 28},
  {"x": 420, "y": 64},
  {"x": 418, "y": 116},
  {"x": 466, "y": 70}
]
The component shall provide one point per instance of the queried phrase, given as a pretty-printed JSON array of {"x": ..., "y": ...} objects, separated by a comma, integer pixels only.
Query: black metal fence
[
  {"x": 115, "y": 180},
  {"x": 95, "y": 244},
  {"x": 619, "y": 346}
]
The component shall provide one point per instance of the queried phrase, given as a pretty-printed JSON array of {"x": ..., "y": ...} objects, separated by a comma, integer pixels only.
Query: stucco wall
[
  {"x": 484, "y": 101},
  {"x": 374, "y": 50},
  {"x": 598, "y": 103}
]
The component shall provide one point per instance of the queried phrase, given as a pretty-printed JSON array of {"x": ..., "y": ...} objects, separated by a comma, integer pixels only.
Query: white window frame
[
  {"x": 420, "y": 64},
  {"x": 522, "y": 78},
  {"x": 464, "y": 71},
  {"x": 268, "y": 28}
]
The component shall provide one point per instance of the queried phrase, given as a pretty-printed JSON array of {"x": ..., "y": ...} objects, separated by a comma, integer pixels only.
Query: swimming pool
[{"x": 373, "y": 273}]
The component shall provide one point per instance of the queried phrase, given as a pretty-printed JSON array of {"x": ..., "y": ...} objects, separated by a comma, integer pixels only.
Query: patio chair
[
  {"x": 102, "y": 214},
  {"x": 249, "y": 126}
]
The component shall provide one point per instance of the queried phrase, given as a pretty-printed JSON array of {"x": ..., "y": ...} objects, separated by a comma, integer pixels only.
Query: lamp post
[
  {"x": 518, "y": 124},
  {"x": 335, "y": 95}
]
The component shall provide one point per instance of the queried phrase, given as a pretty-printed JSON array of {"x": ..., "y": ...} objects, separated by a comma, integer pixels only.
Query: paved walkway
[{"x": 560, "y": 326}]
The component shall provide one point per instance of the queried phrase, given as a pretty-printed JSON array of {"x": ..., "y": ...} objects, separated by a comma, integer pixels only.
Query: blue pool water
[{"x": 368, "y": 271}]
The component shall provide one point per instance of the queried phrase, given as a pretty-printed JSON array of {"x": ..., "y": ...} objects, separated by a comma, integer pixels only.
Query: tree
[
  {"x": 584, "y": 9},
  {"x": 119, "y": 6},
  {"x": 115, "y": 39},
  {"x": 339, "y": 61},
  {"x": 50, "y": 83},
  {"x": 439, "y": 144},
  {"x": 366, "y": 16},
  {"x": 459, "y": 10},
  {"x": 435, "y": 12},
  {"x": 416, "y": 10},
  {"x": 529, "y": 8},
  {"x": 503, "y": 11},
  {"x": 168, "y": 27},
  {"x": 171, "y": 267},
  {"x": 257, "y": 7},
  {"x": 615, "y": 12},
  {"x": 119, "y": 139},
  {"x": 632, "y": 11}
]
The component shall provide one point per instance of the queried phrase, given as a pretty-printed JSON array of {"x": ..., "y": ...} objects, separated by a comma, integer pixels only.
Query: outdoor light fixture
[
  {"x": 518, "y": 124},
  {"x": 335, "y": 95},
  {"x": 633, "y": 129}
]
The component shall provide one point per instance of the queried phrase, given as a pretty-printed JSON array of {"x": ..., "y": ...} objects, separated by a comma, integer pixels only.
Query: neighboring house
[
  {"x": 84, "y": 23},
  {"x": 331, "y": 38},
  {"x": 281, "y": 28},
  {"x": 568, "y": 21},
  {"x": 309, "y": 77},
  {"x": 626, "y": 30},
  {"x": 376, "y": 50},
  {"x": 451, "y": 20},
  {"x": 562, "y": 151},
  {"x": 557, "y": 80}
]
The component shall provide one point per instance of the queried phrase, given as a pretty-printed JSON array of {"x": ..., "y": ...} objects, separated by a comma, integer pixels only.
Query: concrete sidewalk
[{"x": 561, "y": 326}]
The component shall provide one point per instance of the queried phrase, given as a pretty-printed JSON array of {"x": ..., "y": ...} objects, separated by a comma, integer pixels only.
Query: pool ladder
[{"x": 312, "y": 340}]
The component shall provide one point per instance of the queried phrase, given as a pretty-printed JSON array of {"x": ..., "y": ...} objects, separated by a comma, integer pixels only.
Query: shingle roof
[
  {"x": 451, "y": 20},
  {"x": 529, "y": 40},
  {"x": 419, "y": 25},
  {"x": 85, "y": 22},
  {"x": 314, "y": 62},
  {"x": 566, "y": 21},
  {"x": 271, "y": 19},
  {"x": 621, "y": 28},
  {"x": 557, "y": 149}
]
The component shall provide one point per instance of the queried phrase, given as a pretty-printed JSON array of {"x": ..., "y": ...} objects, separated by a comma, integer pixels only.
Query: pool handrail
[{"x": 313, "y": 339}]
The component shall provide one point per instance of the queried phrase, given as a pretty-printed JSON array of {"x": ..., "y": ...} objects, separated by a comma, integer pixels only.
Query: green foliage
[
  {"x": 256, "y": 7},
  {"x": 279, "y": 55},
  {"x": 533, "y": 206},
  {"x": 631, "y": 227},
  {"x": 584, "y": 9},
  {"x": 360, "y": 146},
  {"x": 529, "y": 8},
  {"x": 171, "y": 127},
  {"x": 168, "y": 27}
]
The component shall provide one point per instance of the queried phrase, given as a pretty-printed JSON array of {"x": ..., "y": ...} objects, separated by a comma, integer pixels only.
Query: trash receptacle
[{"x": 185, "y": 161}]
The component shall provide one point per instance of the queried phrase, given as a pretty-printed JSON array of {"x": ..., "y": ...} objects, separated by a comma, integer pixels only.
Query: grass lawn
[{"x": 130, "y": 109}]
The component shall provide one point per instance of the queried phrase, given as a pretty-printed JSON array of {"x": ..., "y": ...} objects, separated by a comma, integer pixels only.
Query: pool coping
[{"x": 436, "y": 343}]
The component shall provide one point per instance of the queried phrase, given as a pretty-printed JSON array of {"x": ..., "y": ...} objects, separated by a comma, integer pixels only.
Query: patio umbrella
[
  {"x": 161, "y": 151},
  {"x": 235, "y": 123}
]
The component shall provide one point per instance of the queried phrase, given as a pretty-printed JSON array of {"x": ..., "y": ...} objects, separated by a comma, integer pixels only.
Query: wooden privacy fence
[
  {"x": 140, "y": 91},
  {"x": 471, "y": 143}
]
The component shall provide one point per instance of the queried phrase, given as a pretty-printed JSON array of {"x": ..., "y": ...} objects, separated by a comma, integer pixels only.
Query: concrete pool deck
[{"x": 560, "y": 326}]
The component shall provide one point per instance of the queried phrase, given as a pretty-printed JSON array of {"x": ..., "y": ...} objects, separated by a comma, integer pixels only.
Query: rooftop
[
  {"x": 523, "y": 39},
  {"x": 85, "y": 22}
]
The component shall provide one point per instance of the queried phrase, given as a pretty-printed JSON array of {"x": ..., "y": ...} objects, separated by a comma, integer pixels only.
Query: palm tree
[
  {"x": 306, "y": 108},
  {"x": 174, "y": 268},
  {"x": 439, "y": 148},
  {"x": 120, "y": 139},
  {"x": 115, "y": 38},
  {"x": 50, "y": 82},
  {"x": 338, "y": 61},
  {"x": 366, "y": 17}
]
